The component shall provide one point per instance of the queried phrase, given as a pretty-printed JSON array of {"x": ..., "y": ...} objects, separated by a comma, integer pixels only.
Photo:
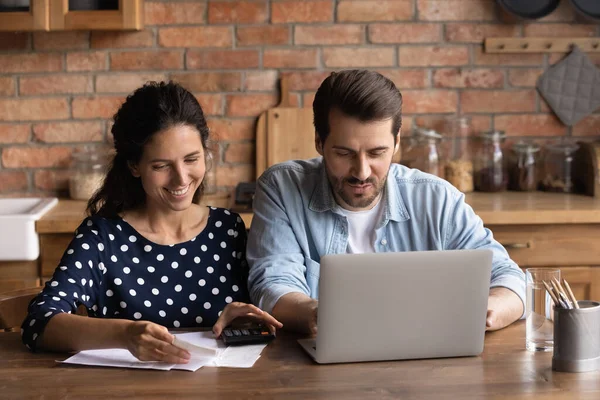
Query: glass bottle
[
  {"x": 210, "y": 175},
  {"x": 88, "y": 169},
  {"x": 523, "y": 170},
  {"x": 490, "y": 173},
  {"x": 459, "y": 166},
  {"x": 426, "y": 151},
  {"x": 558, "y": 166}
]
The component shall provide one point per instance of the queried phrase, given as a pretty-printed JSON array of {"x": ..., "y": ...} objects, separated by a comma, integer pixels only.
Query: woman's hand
[
  {"x": 237, "y": 310},
  {"x": 148, "y": 341}
]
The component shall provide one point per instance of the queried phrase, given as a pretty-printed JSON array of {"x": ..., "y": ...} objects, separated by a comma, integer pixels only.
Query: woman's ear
[{"x": 134, "y": 169}]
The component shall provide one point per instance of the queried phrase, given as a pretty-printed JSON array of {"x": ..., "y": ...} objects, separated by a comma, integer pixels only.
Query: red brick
[
  {"x": 14, "y": 133},
  {"x": 7, "y": 86},
  {"x": 478, "y": 124},
  {"x": 231, "y": 175},
  {"x": 243, "y": 153},
  {"x": 212, "y": 104},
  {"x": 283, "y": 58},
  {"x": 13, "y": 180},
  {"x": 476, "y": 33},
  {"x": 309, "y": 80},
  {"x": 125, "y": 83},
  {"x": 55, "y": 84},
  {"x": 589, "y": 126},
  {"x": 262, "y": 35},
  {"x": 86, "y": 61},
  {"x": 14, "y": 41},
  {"x": 359, "y": 57},
  {"x": 65, "y": 132},
  {"x": 210, "y": 81},
  {"x": 232, "y": 129},
  {"x": 73, "y": 40},
  {"x": 35, "y": 109},
  {"x": 509, "y": 59},
  {"x": 36, "y": 157},
  {"x": 429, "y": 101},
  {"x": 366, "y": 11},
  {"x": 336, "y": 34},
  {"x": 405, "y": 33},
  {"x": 456, "y": 10},
  {"x": 249, "y": 105},
  {"x": 174, "y": 13},
  {"x": 559, "y": 30},
  {"x": 468, "y": 78},
  {"x": 195, "y": 36},
  {"x": 117, "y": 40},
  {"x": 241, "y": 12},
  {"x": 146, "y": 60},
  {"x": 308, "y": 99},
  {"x": 407, "y": 78},
  {"x": 31, "y": 62},
  {"x": 424, "y": 56},
  {"x": 96, "y": 107},
  {"x": 526, "y": 77},
  {"x": 496, "y": 101},
  {"x": 302, "y": 11},
  {"x": 222, "y": 59},
  {"x": 530, "y": 125},
  {"x": 51, "y": 179},
  {"x": 261, "y": 80}
]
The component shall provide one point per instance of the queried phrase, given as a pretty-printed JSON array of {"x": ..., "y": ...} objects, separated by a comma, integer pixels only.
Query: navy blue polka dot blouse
[{"x": 117, "y": 273}]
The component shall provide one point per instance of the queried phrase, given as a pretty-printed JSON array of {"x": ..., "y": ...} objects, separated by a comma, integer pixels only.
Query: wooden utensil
[{"x": 284, "y": 133}]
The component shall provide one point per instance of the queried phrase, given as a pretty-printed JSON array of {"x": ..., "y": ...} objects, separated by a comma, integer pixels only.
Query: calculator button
[
  {"x": 227, "y": 333},
  {"x": 237, "y": 333},
  {"x": 245, "y": 332},
  {"x": 255, "y": 332}
]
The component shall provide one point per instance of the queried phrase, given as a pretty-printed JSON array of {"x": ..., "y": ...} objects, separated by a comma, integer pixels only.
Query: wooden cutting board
[{"x": 284, "y": 133}]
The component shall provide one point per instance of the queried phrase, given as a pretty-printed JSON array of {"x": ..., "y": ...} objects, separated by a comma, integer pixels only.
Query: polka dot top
[{"x": 117, "y": 273}]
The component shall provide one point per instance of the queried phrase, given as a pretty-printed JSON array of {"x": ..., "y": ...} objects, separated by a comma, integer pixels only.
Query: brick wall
[{"x": 59, "y": 90}]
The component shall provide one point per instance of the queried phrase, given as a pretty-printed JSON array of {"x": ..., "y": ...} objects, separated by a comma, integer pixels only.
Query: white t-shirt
[{"x": 361, "y": 229}]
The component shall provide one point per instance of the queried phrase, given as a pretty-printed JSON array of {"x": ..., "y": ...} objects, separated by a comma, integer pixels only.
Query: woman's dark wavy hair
[{"x": 148, "y": 110}]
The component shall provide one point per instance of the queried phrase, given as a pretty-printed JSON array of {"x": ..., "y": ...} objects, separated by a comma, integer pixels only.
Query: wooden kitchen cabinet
[
  {"x": 55, "y": 15},
  {"x": 127, "y": 17},
  {"x": 36, "y": 19}
]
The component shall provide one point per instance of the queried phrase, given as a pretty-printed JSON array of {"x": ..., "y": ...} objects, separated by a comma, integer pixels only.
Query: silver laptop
[{"x": 398, "y": 306}]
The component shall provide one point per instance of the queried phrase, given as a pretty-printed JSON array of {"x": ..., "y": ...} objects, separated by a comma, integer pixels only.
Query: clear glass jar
[
  {"x": 459, "y": 166},
  {"x": 523, "y": 171},
  {"x": 210, "y": 174},
  {"x": 425, "y": 151},
  {"x": 490, "y": 170},
  {"x": 558, "y": 166},
  {"x": 88, "y": 169}
]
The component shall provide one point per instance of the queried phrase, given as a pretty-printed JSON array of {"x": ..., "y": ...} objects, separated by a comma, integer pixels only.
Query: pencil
[
  {"x": 570, "y": 293},
  {"x": 551, "y": 293}
]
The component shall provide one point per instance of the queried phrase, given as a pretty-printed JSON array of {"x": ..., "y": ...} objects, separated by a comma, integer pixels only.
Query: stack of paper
[{"x": 204, "y": 348}]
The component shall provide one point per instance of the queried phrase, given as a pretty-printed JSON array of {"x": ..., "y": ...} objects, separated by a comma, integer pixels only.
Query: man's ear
[
  {"x": 134, "y": 169},
  {"x": 397, "y": 146},
  {"x": 318, "y": 144}
]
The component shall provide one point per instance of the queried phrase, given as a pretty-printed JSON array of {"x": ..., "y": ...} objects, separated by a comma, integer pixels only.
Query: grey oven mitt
[{"x": 571, "y": 87}]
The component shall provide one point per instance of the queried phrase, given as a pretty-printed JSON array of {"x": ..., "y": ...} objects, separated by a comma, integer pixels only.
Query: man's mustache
[{"x": 355, "y": 181}]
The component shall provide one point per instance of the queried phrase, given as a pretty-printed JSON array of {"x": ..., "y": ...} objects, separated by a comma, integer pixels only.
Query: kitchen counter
[{"x": 508, "y": 208}]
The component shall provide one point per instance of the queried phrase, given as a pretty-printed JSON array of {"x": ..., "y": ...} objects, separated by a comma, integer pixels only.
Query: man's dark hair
[{"x": 362, "y": 94}]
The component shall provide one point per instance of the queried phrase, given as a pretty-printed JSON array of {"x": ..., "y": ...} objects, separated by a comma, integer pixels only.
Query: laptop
[{"x": 399, "y": 306}]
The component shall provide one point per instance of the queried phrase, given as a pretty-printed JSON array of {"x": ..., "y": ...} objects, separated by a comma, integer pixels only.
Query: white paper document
[{"x": 204, "y": 348}]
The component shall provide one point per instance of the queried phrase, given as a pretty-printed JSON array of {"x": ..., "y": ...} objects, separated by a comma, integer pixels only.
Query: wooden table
[{"x": 504, "y": 370}]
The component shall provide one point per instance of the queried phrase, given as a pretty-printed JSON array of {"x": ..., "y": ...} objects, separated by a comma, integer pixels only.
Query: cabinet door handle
[{"x": 526, "y": 245}]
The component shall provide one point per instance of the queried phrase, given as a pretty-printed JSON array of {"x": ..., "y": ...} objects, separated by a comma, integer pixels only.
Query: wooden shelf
[{"x": 540, "y": 45}]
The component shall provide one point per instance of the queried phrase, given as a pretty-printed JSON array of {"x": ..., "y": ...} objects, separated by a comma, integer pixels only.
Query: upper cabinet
[
  {"x": 24, "y": 15},
  {"x": 61, "y": 15}
]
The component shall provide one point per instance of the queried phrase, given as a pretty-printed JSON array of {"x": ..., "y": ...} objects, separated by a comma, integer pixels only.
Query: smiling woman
[{"x": 148, "y": 257}]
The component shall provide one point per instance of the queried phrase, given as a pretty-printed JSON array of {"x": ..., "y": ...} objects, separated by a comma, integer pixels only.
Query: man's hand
[
  {"x": 504, "y": 308},
  {"x": 297, "y": 312}
]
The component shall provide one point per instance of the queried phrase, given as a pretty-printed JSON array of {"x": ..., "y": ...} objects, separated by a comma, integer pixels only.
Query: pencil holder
[{"x": 577, "y": 338}]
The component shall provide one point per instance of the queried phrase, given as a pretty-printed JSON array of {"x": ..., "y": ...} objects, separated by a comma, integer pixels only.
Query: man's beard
[{"x": 355, "y": 201}]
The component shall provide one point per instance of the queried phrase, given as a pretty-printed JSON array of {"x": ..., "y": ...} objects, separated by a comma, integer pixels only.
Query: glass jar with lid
[
  {"x": 490, "y": 170},
  {"x": 524, "y": 167},
  {"x": 459, "y": 166},
  {"x": 425, "y": 151},
  {"x": 88, "y": 169},
  {"x": 558, "y": 166}
]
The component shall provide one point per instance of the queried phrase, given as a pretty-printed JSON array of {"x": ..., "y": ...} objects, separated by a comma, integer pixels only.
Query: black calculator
[{"x": 247, "y": 335}]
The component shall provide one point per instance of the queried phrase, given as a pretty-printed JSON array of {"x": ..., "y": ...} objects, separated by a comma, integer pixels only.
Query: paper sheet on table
[{"x": 211, "y": 352}]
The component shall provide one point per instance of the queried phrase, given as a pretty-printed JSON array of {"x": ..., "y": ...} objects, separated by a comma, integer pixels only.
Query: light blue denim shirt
[{"x": 297, "y": 221}]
